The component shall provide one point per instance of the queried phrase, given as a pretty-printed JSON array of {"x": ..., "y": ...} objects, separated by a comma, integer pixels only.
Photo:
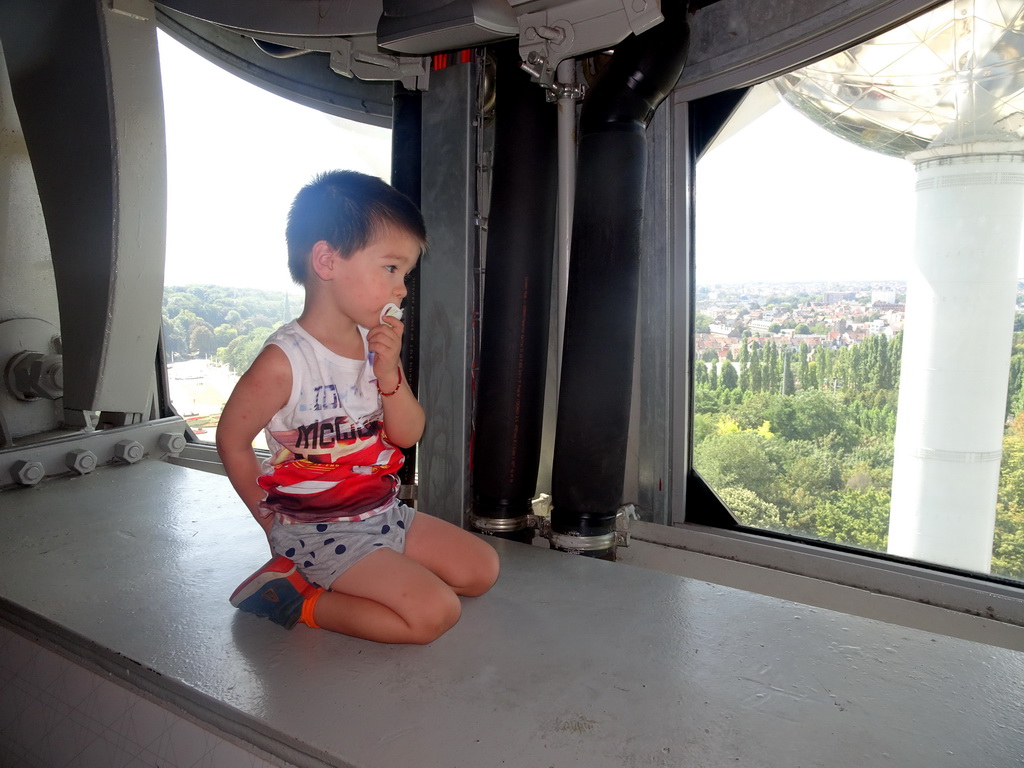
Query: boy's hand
[
  {"x": 385, "y": 342},
  {"x": 403, "y": 416}
]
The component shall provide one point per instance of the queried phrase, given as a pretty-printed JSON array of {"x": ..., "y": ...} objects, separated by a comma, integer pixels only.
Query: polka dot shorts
[{"x": 324, "y": 551}]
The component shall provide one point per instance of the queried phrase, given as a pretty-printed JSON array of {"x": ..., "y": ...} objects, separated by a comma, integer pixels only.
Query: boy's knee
[
  {"x": 437, "y": 617},
  {"x": 483, "y": 576}
]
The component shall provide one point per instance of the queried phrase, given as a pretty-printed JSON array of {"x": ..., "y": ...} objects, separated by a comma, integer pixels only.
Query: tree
[
  {"x": 771, "y": 376},
  {"x": 810, "y": 379},
  {"x": 802, "y": 329},
  {"x": 756, "y": 381},
  {"x": 878, "y": 367},
  {"x": 750, "y": 509},
  {"x": 1008, "y": 542},
  {"x": 1015, "y": 385},
  {"x": 896, "y": 358},
  {"x": 730, "y": 379},
  {"x": 744, "y": 366},
  {"x": 201, "y": 340},
  {"x": 735, "y": 460},
  {"x": 174, "y": 342},
  {"x": 701, "y": 323},
  {"x": 804, "y": 366},
  {"x": 856, "y": 518},
  {"x": 176, "y": 301},
  {"x": 788, "y": 382},
  {"x": 703, "y": 426},
  {"x": 700, "y": 374},
  {"x": 224, "y": 334},
  {"x": 807, "y": 474},
  {"x": 240, "y": 353},
  {"x": 824, "y": 356}
]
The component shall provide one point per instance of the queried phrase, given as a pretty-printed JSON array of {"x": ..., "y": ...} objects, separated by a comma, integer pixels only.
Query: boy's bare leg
[
  {"x": 410, "y": 598},
  {"x": 389, "y": 598},
  {"x": 467, "y": 564}
]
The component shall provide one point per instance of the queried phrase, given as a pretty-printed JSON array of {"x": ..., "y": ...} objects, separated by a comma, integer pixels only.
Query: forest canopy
[
  {"x": 224, "y": 324},
  {"x": 801, "y": 441}
]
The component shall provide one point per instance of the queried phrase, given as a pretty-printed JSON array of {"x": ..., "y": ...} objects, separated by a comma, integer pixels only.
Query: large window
[
  {"x": 841, "y": 382},
  {"x": 236, "y": 156}
]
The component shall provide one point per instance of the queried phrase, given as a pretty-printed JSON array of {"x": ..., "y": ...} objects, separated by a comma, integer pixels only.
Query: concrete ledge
[{"x": 568, "y": 661}]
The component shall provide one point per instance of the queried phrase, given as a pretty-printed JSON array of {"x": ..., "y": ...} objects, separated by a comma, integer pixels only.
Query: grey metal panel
[
  {"x": 86, "y": 82},
  {"x": 655, "y": 319},
  {"x": 447, "y": 292},
  {"x": 683, "y": 290},
  {"x": 736, "y": 43},
  {"x": 665, "y": 307},
  {"x": 307, "y": 79},
  {"x": 295, "y": 17},
  {"x": 26, "y": 282},
  {"x": 611, "y": 665}
]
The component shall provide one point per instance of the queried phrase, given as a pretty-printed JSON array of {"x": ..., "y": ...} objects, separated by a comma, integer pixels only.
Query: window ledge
[{"x": 896, "y": 592}]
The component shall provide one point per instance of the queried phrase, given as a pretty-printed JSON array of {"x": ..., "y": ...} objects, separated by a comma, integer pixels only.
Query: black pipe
[
  {"x": 516, "y": 303},
  {"x": 604, "y": 269},
  {"x": 406, "y": 160}
]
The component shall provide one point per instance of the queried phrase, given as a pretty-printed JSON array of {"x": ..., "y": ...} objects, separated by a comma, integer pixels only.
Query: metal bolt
[
  {"x": 32, "y": 375},
  {"x": 172, "y": 443},
  {"x": 555, "y": 35},
  {"x": 81, "y": 461},
  {"x": 27, "y": 472},
  {"x": 129, "y": 451}
]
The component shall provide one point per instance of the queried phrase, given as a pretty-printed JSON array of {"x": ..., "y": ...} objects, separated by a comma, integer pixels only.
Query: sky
[
  {"x": 781, "y": 200},
  {"x": 236, "y": 156}
]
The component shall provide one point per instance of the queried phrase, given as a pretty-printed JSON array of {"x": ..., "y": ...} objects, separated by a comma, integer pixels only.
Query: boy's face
[{"x": 374, "y": 276}]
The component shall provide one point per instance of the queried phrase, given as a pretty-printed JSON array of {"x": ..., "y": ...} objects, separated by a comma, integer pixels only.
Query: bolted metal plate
[{"x": 26, "y": 417}]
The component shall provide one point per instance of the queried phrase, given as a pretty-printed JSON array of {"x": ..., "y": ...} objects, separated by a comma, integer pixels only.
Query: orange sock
[{"x": 307, "y": 608}]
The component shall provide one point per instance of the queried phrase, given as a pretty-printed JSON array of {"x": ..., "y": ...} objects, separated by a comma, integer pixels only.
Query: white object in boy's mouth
[{"x": 391, "y": 310}]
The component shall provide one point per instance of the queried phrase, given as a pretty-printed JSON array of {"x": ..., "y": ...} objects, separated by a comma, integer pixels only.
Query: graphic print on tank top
[{"x": 331, "y": 459}]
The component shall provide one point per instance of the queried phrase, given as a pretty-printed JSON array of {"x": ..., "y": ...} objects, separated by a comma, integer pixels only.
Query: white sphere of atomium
[{"x": 950, "y": 77}]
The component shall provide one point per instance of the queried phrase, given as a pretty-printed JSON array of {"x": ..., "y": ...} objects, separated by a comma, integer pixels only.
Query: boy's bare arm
[
  {"x": 260, "y": 393},
  {"x": 403, "y": 415}
]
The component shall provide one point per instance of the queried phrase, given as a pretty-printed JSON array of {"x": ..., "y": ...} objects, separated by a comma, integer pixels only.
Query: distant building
[
  {"x": 834, "y": 297},
  {"x": 883, "y": 297},
  {"x": 719, "y": 329}
]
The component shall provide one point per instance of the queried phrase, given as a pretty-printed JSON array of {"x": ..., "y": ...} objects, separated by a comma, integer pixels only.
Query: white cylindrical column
[{"x": 960, "y": 308}]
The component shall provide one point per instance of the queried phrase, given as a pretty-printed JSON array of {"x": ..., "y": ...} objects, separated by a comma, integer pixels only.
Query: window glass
[
  {"x": 863, "y": 383},
  {"x": 236, "y": 156}
]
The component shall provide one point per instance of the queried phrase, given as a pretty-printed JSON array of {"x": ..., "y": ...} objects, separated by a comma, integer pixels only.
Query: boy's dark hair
[{"x": 348, "y": 210}]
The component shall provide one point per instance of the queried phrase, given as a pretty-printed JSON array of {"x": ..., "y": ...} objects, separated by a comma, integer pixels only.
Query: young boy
[{"x": 328, "y": 390}]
